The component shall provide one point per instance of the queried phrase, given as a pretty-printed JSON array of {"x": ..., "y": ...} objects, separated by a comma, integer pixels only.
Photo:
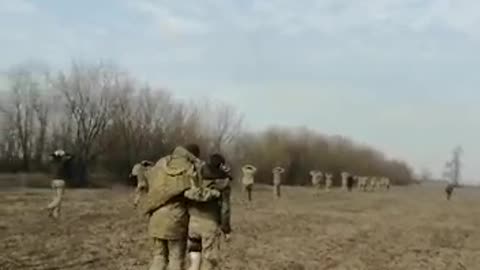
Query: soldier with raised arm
[
  {"x": 61, "y": 172},
  {"x": 137, "y": 175},
  {"x": 248, "y": 179},
  {"x": 317, "y": 179},
  {"x": 277, "y": 180}
]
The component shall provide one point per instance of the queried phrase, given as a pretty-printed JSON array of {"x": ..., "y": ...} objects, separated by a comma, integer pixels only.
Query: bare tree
[
  {"x": 19, "y": 112},
  {"x": 221, "y": 123},
  {"x": 88, "y": 98}
]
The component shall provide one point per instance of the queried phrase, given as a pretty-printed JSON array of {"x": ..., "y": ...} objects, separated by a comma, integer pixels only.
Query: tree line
[{"x": 109, "y": 121}]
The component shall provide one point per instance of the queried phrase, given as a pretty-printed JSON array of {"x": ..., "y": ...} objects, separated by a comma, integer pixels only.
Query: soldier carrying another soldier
[{"x": 173, "y": 180}]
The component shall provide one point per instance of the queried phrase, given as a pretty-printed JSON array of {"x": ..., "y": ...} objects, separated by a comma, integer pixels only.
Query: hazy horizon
[{"x": 399, "y": 75}]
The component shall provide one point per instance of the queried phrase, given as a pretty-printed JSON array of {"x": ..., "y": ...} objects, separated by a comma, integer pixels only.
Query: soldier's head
[
  {"x": 216, "y": 160},
  {"x": 193, "y": 149}
]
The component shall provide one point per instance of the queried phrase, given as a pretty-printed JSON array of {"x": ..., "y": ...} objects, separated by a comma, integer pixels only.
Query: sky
[{"x": 399, "y": 75}]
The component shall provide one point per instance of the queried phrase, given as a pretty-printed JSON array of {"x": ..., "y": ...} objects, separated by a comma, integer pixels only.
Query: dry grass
[{"x": 407, "y": 228}]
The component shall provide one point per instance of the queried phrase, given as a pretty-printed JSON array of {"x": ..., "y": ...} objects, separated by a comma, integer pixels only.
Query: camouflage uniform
[
  {"x": 61, "y": 173},
  {"x": 172, "y": 180},
  {"x": 209, "y": 219},
  {"x": 138, "y": 175},
  {"x": 248, "y": 179}
]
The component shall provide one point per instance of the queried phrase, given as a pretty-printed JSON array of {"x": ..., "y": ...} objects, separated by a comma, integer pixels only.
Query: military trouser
[
  {"x": 207, "y": 243},
  {"x": 168, "y": 254},
  {"x": 277, "y": 191},
  {"x": 56, "y": 204}
]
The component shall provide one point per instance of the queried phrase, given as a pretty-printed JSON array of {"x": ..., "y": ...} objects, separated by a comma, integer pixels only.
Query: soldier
[
  {"x": 248, "y": 179},
  {"x": 209, "y": 219},
  {"x": 373, "y": 183},
  {"x": 359, "y": 182},
  {"x": 173, "y": 180},
  {"x": 387, "y": 183},
  {"x": 449, "y": 190},
  {"x": 328, "y": 181},
  {"x": 277, "y": 180},
  {"x": 317, "y": 179},
  {"x": 61, "y": 172},
  {"x": 345, "y": 176},
  {"x": 138, "y": 176}
]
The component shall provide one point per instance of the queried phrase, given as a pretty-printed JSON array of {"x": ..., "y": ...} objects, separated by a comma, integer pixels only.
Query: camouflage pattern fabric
[
  {"x": 165, "y": 203},
  {"x": 168, "y": 255},
  {"x": 209, "y": 219}
]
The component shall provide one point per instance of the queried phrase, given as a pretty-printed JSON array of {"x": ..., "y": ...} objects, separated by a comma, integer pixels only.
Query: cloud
[
  {"x": 169, "y": 23},
  {"x": 17, "y": 7}
]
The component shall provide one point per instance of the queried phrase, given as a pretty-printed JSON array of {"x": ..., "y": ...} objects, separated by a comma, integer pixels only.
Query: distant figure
[
  {"x": 373, "y": 183},
  {"x": 317, "y": 179},
  {"x": 60, "y": 173},
  {"x": 385, "y": 183},
  {"x": 277, "y": 180},
  {"x": 449, "y": 190},
  {"x": 138, "y": 175},
  {"x": 350, "y": 182},
  {"x": 345, "y": 176},
  {"x": 362, "y": 183},
  {"x": 328, "y": 181},
  {"x": 248, "y": 179}
]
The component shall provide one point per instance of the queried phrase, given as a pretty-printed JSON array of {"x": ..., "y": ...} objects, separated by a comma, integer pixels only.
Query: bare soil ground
[{"x": 404, "y": 229}]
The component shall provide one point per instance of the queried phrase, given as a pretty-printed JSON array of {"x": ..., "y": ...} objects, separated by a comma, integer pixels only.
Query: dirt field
[{"x": 406, "y": 228}]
